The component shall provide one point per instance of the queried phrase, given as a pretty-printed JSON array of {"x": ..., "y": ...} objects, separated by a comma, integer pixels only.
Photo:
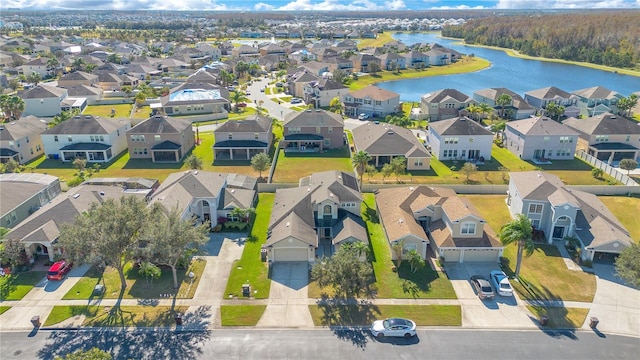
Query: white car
[
  {"x": 363, "y": 116},
  {"x": 500, "y": 282},
  {"x": 395, "y": 327}
]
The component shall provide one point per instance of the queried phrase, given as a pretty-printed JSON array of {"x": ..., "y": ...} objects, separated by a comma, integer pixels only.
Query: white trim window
[
  {"x": 535, "y": 208},
  {"x": 468, "y": 228},
  {"x": 408, "y": 247}
]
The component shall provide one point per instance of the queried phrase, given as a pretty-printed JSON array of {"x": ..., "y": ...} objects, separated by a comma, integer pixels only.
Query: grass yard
[
  {"x": 3, "y": 309},
  {"x": 122, "y": 110},
  {"x": 424, "y": 284},
  {"x": 250, "y": 269},
  {"x": 142, "y": 112},
  {"x": 381, "y": 39},
  {"x": 241, "y": 315},
  {"x": 137, "y": 286},
  {"x": 626, "y": 209},
  {"x": 561, "y": 317},
  {"x": 293, "y": 166},
  {"x": 17, "y": 285},
  {"x": 364, "y": 315},
  {"x": 125, "y": 316}
]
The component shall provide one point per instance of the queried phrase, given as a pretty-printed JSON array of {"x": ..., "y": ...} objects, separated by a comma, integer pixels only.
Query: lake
[{"x": 518, "y": 75}]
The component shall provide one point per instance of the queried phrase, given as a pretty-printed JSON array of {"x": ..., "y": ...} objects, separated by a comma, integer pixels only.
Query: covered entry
[{"x": 166, "y": 151}]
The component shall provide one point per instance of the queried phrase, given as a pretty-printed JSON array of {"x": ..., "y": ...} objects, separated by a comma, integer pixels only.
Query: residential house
[
  {"x": 392, "y": 61},
  {"x": 243, "y": 139},
  {"x": 313, "y": 220},
  {"x": 597, "y": 100},
  {"x": 312, "y": 130},
  {"x": 361, "y": 62},
  {"x": 438, "y": 57},
  {"x": 37, "y": 65},
  {"x": 88, "y": 137},
  {"x": 297, "y": 82},
  {"x": 516, "y": 110},
  {"x": 43, "y": 100},
  {"x": 313, "y": 67},
  {"x": 108, "y": 81},
  {"x": 89, "y": 93},
  {"x": 245, "y": 51},
  {"x": 272, "y": 49},
  {"x": 373, "y": 101},
  {"x": 540, "y": 139},
  {"x": 20, "y": 140},
  {"x": 197, "y": 99},
  {"x": 443, "y": 104},
  {"x": 558, "y": 212},
  {"x": 77, "y": 78},
  {"x": 23, "y": 194},
  {"x": 540, "y": 98},
  {"x": 207, "y": 50},
  {"x": 607, "y": 137},
  {"x": 384, "y": 142},
  {"x": 339, "y": 63},
  {"x": 416, "y": 59},
  {"x": 161, "y": 139},
  {"x": 460, "y": 139},
  {"x": 320, "y": 93},
  {"x": 414, "y": 217}
]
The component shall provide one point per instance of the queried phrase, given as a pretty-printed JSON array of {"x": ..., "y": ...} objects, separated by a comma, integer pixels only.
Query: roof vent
[
  {"x": 288, "y": 224},
  {"x": 411, "y": 188},
  {"x": 400, "y": 221},
  {"x": 195, "y": 172},
  {"x": 390, "y": 132},
  {"x": 233, "y": 191},
  {"x": 308, "y": 189},
  {"x": 77, "y": 195},
  {"x": 101, "y": 193}
]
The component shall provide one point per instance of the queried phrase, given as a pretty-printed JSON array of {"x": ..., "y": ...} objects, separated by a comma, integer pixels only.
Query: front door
[{"x": 558, "y": 232}]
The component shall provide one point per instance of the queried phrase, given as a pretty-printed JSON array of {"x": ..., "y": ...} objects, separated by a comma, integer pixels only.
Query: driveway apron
[{"x": 288, "y": 297}]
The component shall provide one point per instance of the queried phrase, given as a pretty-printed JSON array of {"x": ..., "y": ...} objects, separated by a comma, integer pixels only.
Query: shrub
[{"x": 75, "y": 181}]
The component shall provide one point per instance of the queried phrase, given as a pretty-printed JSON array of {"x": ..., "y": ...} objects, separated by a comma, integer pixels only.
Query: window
[
  {"x": 14, "y": 217},
  {"x": 566, "y": 139},
  {"x": 230, "y": 136},
  {"x": 157, "y": 138},
  {"x": 69, "y": 138},
  {"x": 547, "y": 138},
  {"x": 417, "y": 162},
  {"x": 327, "y": 210},
  {"x": 409, "y": 247},
  {"x": 55, "y": 138},
  {"x": 451, "y": 140},
  {"x": 602, "y": 138},
  {"x": 449, "y": 106},
  {"x": 318, "y": 130},
  {"x": 139, "y": 138},
  {"x": 28, "y": 139},
  {"x": 535, "y": 208},
  {"x": 627, "y": 139},
  {"x": 256, "y": 136},
  {"x": 38, "y": 148},
  {"x": 468, "y": 228},
  {"x": 293, "y": 130},
  {"x": 330, "y": 129},
  {"x": 101, "y": 138},
  {"x": 535, "y": 223},
  {"x": 367, "y": 102},
  {"x": 231, "y": 217},
  {"x": 327, "y": 142}
]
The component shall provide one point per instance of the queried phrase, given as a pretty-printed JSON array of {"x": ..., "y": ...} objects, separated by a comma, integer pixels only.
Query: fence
[{"x": 608, "y": 169}]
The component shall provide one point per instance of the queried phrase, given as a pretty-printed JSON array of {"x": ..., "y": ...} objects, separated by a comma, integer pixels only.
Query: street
[{"x": 321, "y": 344}]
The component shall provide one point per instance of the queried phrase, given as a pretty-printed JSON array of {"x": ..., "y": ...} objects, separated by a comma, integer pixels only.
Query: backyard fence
[{"x": 608, "y": 169}]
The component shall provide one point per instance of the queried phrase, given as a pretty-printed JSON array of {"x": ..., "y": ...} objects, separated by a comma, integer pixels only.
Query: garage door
[
  {"x": 299, "y": 254},
  {"x": 480, "y": 255},
  {"x": 450, "y": 255}
]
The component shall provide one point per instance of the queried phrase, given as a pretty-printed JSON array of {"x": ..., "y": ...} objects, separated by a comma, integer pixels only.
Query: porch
[
  {"x": 303, "y": 143},
  {"x": 166, "y": 151},
  {"x": 238, "y": 149},
  {"x": 93, "y": 152}
]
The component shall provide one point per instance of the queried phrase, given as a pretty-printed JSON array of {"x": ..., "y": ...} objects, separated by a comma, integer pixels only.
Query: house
[
  {"x": 88, "y": 137},
  {"x": 161, "y": 139},
  {"x": 272, "y": 49},
  {"x": 338, "y": 63},
  {"x": 243, "y": 139},
  {"x": 205, "y": 195},
  {"x": 316, "y": 218},
  {"x": 77, "y": 78},
  {"x": 416, "y": 59},
  {"x": 37, "y": 65},
  {"x": 443, "y": 104},
  {"x": 518, "y": 109},
  {"x": 43, "y": 100},
  {"x": 297, "y": 82},
  {"x": 460, "y": 139},
  {"x": 312, "y": 130},
  {"x": 597, "y": 100},
  {"x": 320, "y": 93},
  {"x": 385, "y": 142},
  {"x": 89, "y": 93},
  {"x": 245, "y": 51},
  {"x": 607, "y": 137},
  {"x": 109, "y": 81},
  {"x": 392, "y": 61},
  {"x": 414, "y": 217},
  {"x": 20, "y": 140},
  {"x": 540, "y": 98},
  {"x": 558, "y": 212},
  {"x": 23, "y": 194},
  {"x": 362, "y": 62},
  {"x": 205, "y": 49},
  {"x": 540, "y": 139},
  {"x": 373, "y": 101},
  {"x": 195, "y": 98}
]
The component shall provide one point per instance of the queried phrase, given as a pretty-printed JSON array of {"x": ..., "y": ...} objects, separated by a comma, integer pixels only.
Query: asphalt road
[{"x": 321, "y": 344}]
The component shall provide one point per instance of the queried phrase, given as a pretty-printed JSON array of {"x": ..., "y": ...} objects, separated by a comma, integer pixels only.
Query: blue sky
[{"x": 301, "y": 5}]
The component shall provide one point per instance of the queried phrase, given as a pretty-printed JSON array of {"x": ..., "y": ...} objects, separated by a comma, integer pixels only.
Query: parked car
[
  {"x": 247, "y": 92},
  {"x": 395, "y": 327},
  {"x": 500, "y": 281},
  {"x": 58, "y": 270},
  {"x": 279, "y": 84},
  {"x": 363, "y": 116},
  {"x": 482, "y": 287},
  {"x": 242, "y": 104},
  {"x": 261, "y": 89},
  {"x": 296, "y": 100}
]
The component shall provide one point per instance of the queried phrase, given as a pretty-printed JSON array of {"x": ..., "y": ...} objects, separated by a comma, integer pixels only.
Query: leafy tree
[
  {"x": 237, "y": 97},
  {"x": 474, "y": 110},
  {"x": 91, "y": 354},
  {"x": 63, "y": 116},
  {"x": 10, "y": 166},
  {"x": 415, "y": 260},
  {"x": 106, "y": 234},
  {"x": 226, "y": 77},
  {"x": 340, "y": 76},
  {"x": 628, "y": 164},
  {"x": 140, "y": 98},
  {"x": 14, "y": 84},
  {"x": 398, "y": 251},
  {"x": 626, "y": 104},
  {"x": 80, "y": 164},
  {"x": 518, "y": 231},
  {"x": 386, "y": 171},
  {"x": 193, "y": 162},
  {"x": 371, "y": 171},
  {"x": 336, "y": 105},
  {"x": 503, "y": 101},
  {"x": 78, "y": 64},
  {"x": 360, "y": 161},
  {"x": 373, "y": 67},
  {"x": 597, "y": 173},
  {"x": 344, "y": 272},
  {"x": 469, "y": 169},
  {"x": 499, "y": 128},
  {"x": 34, "y": 78},
  {"x": 13, "y": 253},
  {"x": 628, "y": 265},
  {"x": 399, "y": 165},
  {"x": 243, "y": 214},
  {"x": 260, "y": 162},
  {"x": 485, "y": 109},
  {"x": 126, "y": 89},
  {"x": 150, "y": 271},
  {"x": 402, "y": 121},
  {"x": 555, "y": 110},
  {"x": 11, "y": 106}
]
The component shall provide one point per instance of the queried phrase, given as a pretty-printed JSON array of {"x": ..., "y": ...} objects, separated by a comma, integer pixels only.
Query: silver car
[{"x": 482, "y": 287}]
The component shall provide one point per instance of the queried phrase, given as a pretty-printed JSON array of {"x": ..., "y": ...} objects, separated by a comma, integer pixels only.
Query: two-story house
[
  {"x": 414, "y": 217},
  {"x": 540, "y": 139},
  {"x": 516, "y": 110},
  {"x": 362, "y": 62},
  {"x": 20, "y": 140},
  {"x": 371, "y": 100},
  {"x": 77, "y": 78},
  {"x": 460, "y": 139},
  {"x": 607, "y": 137},
  {"x": 38, "y": 65},
  {"x": 416, "y": 59},
  {"x": 597, "y": 100},
  {"x": 321, "y": 92},
  {"x": 160, "y": 139},
  {"x": 88, "y": 137},
  {"x": 243, "y": 139},
  {"x": 540, "y": 98},
  {"x": 312, "y": 130},
  {"x": 298, "y": 80},
  {"x": 43, "y": 100},
  {"x": 392, "y": 61},
  {"x": 313, "y": 220},
  {"x": 443, "y": 104},
  {"x": 193, "y": 98},
  {"x": 23, "y": 194}
]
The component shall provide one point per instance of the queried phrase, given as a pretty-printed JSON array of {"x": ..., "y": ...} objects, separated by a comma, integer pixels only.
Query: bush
[
  {"x": 75, "y": 181},
  {"x": 235, "y": 225}
]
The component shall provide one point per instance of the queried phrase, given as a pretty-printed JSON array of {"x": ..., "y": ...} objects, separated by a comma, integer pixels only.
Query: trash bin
[
  {"x": 544, "y": 320},
  {"x": 246, "y": 290},
  {"x": 36, "y": 321},
  {"x": 593, "y": 322},
  {"x": 178, "y": 318},
  {"x": 98, "y": 289},
  {"x": 263, "y": 254}
]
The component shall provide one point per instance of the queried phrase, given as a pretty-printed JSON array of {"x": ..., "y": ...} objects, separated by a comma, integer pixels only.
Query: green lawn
[
  {"x": 16, "y": 286},
  {"x": 142, "y": 112},
  {"x": 250, "y": 269},
  {"x": 364, "y": 315},
  {"x": 293, "y": 166},
  {"x": 626, "y": 209},
  {"x": 122, "y": 110},
  {"x": 241, "y": 315},
  {"x": 137, "y": 286},
  {"x": 425, "y": 284},
  {"x": 125, "y": 316},
  {"x": 3, "y": 309},
  {"x": 561, "y": 317}
]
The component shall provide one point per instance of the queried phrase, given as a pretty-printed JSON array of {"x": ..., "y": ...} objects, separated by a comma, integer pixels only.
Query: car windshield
[
  {"x": 53, "y": 273},
  {"x": 505, "y": 285},
  {"x": 486, "y": 289}
]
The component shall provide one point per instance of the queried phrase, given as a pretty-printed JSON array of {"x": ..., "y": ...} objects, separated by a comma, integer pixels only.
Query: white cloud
[
  {"x": 566, "y": 4},
  {"x": 117, "y": 4},
  {"x": 336, "y": 5},
  {"x": 263, "y": 7}
]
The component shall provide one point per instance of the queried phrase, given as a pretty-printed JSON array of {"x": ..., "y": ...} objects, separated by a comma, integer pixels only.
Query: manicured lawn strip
[
  {"x": 425, "y": 283},
  {"x": 137, "y": 287},
  {"x": 142, "y": 112},
  {"x": 365, "y": 315},
  {"x": 250, "y": 269},
  {"x": 125, "y": 316},
  {"x": 3, "y": 309},
  {"x": 626, "y": 209},
  {"x": 60, "y": 313},
  {"x": 561, "y": 317},
  {"x": 507, "y": 159},
  {"x": 122, "y": 110},
  {"x": 293, "y": 166},
  {"x": 241, "y": 315},
  {"x": 15, "y": 286}
]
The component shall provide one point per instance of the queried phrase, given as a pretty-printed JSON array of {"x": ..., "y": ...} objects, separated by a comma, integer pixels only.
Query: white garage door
[
  {"x": 481, "y": 255},
  {"x": 290, "y": 254},
  {"x": 450, "y": 255}
]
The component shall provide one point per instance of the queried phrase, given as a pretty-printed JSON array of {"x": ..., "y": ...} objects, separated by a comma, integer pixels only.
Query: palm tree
[
  {"x": 360, "y": 161},
  {"x": 237, "y": 97},
  {"x": 15, "y": 106},
  {"x": 555, "y": 110},
  {"x": 78, "y": 64},
  {"x": 474, "y": 110},
  {"x": 518, "y": 231},
  {"x": 485, "y": 109},
  {"x": 502, "y": 101}
]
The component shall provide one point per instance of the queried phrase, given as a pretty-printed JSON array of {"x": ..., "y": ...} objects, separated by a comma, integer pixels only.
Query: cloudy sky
[{"x": 298, "y": 5}]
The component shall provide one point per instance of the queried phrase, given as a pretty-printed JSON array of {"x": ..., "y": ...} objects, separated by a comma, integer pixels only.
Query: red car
[
  {"x": 242, "y": 104},
  {"x": 58, "y": 270}
]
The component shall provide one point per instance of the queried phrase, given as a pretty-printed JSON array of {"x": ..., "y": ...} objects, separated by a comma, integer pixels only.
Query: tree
[
  {"x": 499, "y": 128},
  {"x": 34, "y": 78},
  {"x": 503, "y": 101},
  {"x": 387, "y": 170},
  {"x": 360, "y": 161},
  {"x": 555, "y": 110},
  {"x": 10, "y": 166},
  {"x": 106, "y": 234},
  {"x": 78, "y": 64},
  {"x": 597, "y": 173},
  {"x": 237, "y": 97},
  {"x": 79, "y": 163},
  {"x": 415, "y": 260},
  {"x": 485, "y": 109},
  {"x": 193, "y": 162},
  {"x": 11, "y": 106},
  {"x": 140, "y": 98},
  {"x": 14, "y": 84},
  {"x": 63, "y": 116},
  {"x": 373, "y": 67},
  {"x": 260, "y": 162},
  {"x": 398, "y": 251},
  {"x": 344, "y": 272},
  {"x": 336, "y": 105},
  {"x": 126, "y": 89},
  {"x": 469, "y": 169},
  {"x": 371, "y": 171},
  {"x": 340, "y": 76},
  {"x": 243, "y": 214},
  {"x": 518, "y": 231},
  {"x": 399, "y": 165},
  {"x": 628, "y": 164},
  {"x": 91, "y": 354},
  {"x": 402, "y": 121},
  {"x": 474, "y": 110},
  {"x": 628, "y": 265},
  {"x": 150, "y": 271},
  {"x": 13, "y": 253},
  {"x": 626, "y": 104}
]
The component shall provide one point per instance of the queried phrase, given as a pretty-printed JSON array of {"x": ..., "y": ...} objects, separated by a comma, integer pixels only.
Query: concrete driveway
[
  {"x": 288, "y": 297},
  {"x": 501, "y": 312}
]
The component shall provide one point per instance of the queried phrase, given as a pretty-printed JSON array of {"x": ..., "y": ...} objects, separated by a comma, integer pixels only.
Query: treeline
[{"x": 608, "y": 38}]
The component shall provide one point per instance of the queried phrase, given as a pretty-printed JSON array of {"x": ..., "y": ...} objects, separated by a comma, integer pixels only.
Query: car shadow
[{"x": 397, "y": 341}]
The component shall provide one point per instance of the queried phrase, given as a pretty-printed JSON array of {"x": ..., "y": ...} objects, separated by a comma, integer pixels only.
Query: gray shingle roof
[
  {"x": 252, "y": 124},
  {"x": 604, "y": 124},
  {"x": 87, "y": 125},
  {"x": 26, "y": 126},
  {"x": 160, "y": 125},
  {"x": 541, "y": 125},
  {"x": 458, "y": 126},
  {"x": 445, "y": 94},
  {"x": 315, "y": 117},
  {"x": 43, "y": 92},
  {"x": 386, "y": 139}
]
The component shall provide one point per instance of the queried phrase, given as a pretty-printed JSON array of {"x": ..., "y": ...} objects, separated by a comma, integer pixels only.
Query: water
[{"x": 518, "y": 75}]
